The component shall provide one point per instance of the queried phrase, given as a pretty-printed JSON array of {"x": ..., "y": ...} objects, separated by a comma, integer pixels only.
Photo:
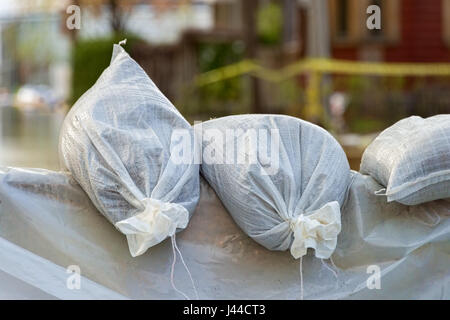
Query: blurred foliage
[
  {"x": 375, "y": 103},
  {"x": 223, "y": 94},
  {"x": 34, "y": 44},
  {"x": 90, "y": 57},
  {"x": 215, "y": 55},
  {"x": 120, "y": 10},
  {"x": 289, "y": 93},
  {"x": 366, "y": 125},
  {"x": 286, "y": 97},
  {"x": 270, "y": 24},
  {"x": 370, "y": 108}
]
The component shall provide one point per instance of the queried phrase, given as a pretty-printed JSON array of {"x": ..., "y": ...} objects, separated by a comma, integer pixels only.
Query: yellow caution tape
[
  {"x": 380, "y": 68},
  {"x": 331, "y": 66},
  {"x": 227, "y": 72}
]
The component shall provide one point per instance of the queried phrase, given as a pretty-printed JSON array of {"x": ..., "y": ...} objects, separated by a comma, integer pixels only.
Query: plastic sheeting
[
  {"x": 47, "y": 214},
  {"x": 46, "y": 279}
]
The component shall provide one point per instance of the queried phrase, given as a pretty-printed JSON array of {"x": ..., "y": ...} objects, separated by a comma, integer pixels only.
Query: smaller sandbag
[
  {"x": 282, "y": 179},
  {"x": 411, "y": 159}
]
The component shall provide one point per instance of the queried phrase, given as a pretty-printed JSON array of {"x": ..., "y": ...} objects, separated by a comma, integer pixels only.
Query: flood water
[{"x": 29, "y": 139}]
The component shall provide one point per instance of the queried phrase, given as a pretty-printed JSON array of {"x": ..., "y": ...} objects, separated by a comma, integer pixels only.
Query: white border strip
[{"x": 48, "y": 276}]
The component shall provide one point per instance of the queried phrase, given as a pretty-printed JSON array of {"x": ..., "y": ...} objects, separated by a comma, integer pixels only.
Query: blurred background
[{"x": 213, "y": 58}]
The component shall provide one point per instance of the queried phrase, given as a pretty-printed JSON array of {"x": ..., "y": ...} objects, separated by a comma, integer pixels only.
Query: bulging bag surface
[
  {"x": 412, "y": 160},
  {"x": 282, "y": 179},
  {"x": 117, "y": 142}
]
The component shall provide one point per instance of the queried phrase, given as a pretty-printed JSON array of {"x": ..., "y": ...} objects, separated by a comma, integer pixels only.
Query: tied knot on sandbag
[
  {"x": 317, "y": 230},
  {"x": 155, "y": 223}
]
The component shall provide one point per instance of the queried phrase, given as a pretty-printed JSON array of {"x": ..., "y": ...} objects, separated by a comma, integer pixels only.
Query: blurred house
[
  {"x": 411, "y": 31},
  {"x": 304, "y": 25},
  {"x": 32, "y": 48},
  {"x": 156, "y": 26},
  {"x": 167, "y": 50},
  {"x": 276, "y": 33},
  {"x": 35, "y": 46}
]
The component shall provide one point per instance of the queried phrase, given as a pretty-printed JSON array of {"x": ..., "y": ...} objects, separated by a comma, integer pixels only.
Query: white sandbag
[
  {"x": 411, "y": 159},
  {"x": 117, "y": 141},
  {"x": 282, "y": 179}
]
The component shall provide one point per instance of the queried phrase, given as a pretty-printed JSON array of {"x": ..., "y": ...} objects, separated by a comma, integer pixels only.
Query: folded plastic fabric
[
  {"x": 46, "y": 281},
  {"x": 48, "y": 214}
]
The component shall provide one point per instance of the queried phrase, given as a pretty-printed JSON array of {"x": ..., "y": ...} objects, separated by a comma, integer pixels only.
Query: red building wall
[{"x": 421, "y": 36}]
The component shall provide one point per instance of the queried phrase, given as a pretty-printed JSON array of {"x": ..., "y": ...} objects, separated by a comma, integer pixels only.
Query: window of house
[
  {"x": 342, "y": 18},
  {"x": 348, "y": 21},
  {"x": 446, "y": 21}
]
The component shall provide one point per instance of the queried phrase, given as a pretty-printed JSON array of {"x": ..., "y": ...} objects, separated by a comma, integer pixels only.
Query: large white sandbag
[
  {"x": 283, "y": 183},
  {"x": 117, "y": 141},
  {"x": 411, "y": 159}
]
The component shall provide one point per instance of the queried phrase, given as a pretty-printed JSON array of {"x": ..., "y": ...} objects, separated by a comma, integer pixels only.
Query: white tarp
[
  {"x": 26, "y": 275},
  {"x": 46, "y": 214}
]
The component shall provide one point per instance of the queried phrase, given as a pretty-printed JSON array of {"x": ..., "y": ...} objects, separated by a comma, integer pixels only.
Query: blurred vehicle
[
  {"x": 5, "y": 97},
  {"x": 38, "y": 98}
]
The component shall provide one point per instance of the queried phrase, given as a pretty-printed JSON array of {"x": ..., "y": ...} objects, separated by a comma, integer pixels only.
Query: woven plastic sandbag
[
  {"x": 290, "y": 196},
  {"x": 117, "y": 141},
  {"x": 411, "y": 159}
]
